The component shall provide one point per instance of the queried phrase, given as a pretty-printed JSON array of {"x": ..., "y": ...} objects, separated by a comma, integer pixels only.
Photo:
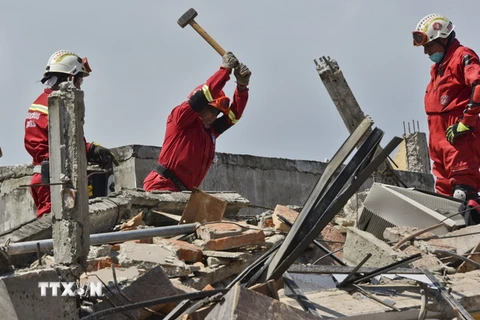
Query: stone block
[
  {"x": 184, "y": 251},
  {"x": 249, "y": 237}
]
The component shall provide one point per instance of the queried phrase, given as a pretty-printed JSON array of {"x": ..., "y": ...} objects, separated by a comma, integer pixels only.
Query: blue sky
[{"x": 144, "y": 64}]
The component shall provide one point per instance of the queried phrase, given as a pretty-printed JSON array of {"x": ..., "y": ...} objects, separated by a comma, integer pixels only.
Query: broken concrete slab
[
  {"x": 464, "y": 288},
  {"x": 356, "y": 304},
  {"x": 359, "y": 243},
  {"x": 125, "y": 275},
  {"x": 21, "y": 297},
  {"x": 225, "y": 254},
  {"x": 463, "y": 239},
  {"x": 245, "y": 304},
  {"x": 153, "y": 284},
  {"x": 175, "y": 202},
  {"x": 151, "y": 255}
]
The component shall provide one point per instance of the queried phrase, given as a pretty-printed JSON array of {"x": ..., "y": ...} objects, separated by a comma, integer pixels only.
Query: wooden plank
[{"x": 203, "y": 207}]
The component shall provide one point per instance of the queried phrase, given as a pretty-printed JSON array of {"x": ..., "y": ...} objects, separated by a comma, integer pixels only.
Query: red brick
[
  {"x": 246, "y": 238},
  {"x": 289, "y": 214},
  {"x": 330, "y": 233},
  {"x": 208, "y": 287},
  {"x": 185, "y": 251},
  {"x": 100, "y": 263}
]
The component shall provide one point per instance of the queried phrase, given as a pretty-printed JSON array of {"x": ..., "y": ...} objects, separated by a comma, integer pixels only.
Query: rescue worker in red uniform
[
  {"x": 452, "y": 104},
  {"x": 62, "y": 66},
  {"x": 193, "y": 127}
]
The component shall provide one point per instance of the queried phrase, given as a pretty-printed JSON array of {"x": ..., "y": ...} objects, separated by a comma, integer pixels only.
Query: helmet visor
[{"x": 419, "y": 38}]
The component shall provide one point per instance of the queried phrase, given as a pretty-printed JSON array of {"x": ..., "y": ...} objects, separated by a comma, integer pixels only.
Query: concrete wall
[{"x": 264, "y": 181}]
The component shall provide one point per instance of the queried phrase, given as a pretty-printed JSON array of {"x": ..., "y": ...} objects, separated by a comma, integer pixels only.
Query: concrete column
[
  {"x": 68, "y": 166},
  {"x": 348, "y": 107}
]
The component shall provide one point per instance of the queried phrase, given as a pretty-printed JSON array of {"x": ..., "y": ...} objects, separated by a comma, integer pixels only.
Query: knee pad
[{"x": 464, "y": 192}]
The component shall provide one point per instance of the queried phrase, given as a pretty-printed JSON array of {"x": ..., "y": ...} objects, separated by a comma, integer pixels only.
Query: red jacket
[
  {"x": 189, "y": 148},
  {"x": 36, "y": 129},
  {"x": 451, "y": 83}
]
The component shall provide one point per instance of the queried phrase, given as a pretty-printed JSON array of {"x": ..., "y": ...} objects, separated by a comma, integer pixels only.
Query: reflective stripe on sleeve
[
  {"x": 232, "y": 116},
  {"x": 38, "y": 107},
  {"x": 207, "y": 93}
]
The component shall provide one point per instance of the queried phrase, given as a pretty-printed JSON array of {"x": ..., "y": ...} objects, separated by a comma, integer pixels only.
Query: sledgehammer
[{"x": 188, "y": 18}]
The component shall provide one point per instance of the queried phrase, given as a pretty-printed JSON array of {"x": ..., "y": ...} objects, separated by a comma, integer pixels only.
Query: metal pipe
[{"x": 107, "y": 237}]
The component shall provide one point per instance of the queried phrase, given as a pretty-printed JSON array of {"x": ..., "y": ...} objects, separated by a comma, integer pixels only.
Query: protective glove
[
  {"x": 242, "y": 74},
  {"x": 456, "y": 130},
  {"x": 101, "y": 155},
  {"x": 229, "y": 61}
]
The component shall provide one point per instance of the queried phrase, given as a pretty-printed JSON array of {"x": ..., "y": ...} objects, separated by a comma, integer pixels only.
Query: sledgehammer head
[{"x": 187, "y": 17}]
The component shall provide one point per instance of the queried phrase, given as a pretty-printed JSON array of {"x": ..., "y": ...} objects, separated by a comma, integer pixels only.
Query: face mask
[{"x": 436, "y": 57}]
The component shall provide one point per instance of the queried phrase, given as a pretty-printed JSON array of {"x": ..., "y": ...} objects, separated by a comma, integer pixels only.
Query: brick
[
  {"x": 287, "y": 213},
  {"x": 100, "y": 263},
  {"x": 248, "y": 237},
  {"x": 185, "y": 251},
  {"x": 208, "y": 287},
  {"x": 331, "y": 233},
  {"x": 218, "y": 230}
]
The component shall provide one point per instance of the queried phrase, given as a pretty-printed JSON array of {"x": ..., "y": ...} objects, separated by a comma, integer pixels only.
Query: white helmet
[
  {"x": 64, "y": 61},
  {"x": 431, "y": 27}
]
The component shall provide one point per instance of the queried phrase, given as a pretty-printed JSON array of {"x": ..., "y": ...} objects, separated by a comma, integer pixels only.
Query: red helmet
[{"x": 220, "y": 102}]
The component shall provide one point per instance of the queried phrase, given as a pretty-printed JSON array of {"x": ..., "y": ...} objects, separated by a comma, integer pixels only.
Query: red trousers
[
  {"x": 40, "y": 195},
  {"x": 154, "y": 181},
  {"x": 456, "y": 164}
]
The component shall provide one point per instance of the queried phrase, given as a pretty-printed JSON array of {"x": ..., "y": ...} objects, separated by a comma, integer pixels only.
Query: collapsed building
[{"x": 365, "y": 238}]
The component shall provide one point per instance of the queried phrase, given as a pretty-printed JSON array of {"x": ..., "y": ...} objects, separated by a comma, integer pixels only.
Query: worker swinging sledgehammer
[{"x": 193, "y": 126}]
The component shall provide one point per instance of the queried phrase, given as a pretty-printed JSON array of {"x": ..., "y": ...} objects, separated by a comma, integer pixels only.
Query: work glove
[
  {"x": 101, "y": 155},
  {"x": 242, "y": 74},
  {"x": 456, "y": 130},
  {"x": 229, "y": 61}
]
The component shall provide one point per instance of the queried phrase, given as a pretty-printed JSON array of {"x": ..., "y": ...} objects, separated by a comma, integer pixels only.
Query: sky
[{"x": 144, "y": 65}]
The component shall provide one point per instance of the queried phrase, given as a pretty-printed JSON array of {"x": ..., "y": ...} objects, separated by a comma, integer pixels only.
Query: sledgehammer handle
[{"x": 207, "y": 37}]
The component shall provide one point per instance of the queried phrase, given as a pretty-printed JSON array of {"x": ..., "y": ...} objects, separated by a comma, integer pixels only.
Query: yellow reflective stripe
[
  {"x": 39, "y": 107},
  {"x": 232, "y": 117},
  {"x": 207, "y": 93}
]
